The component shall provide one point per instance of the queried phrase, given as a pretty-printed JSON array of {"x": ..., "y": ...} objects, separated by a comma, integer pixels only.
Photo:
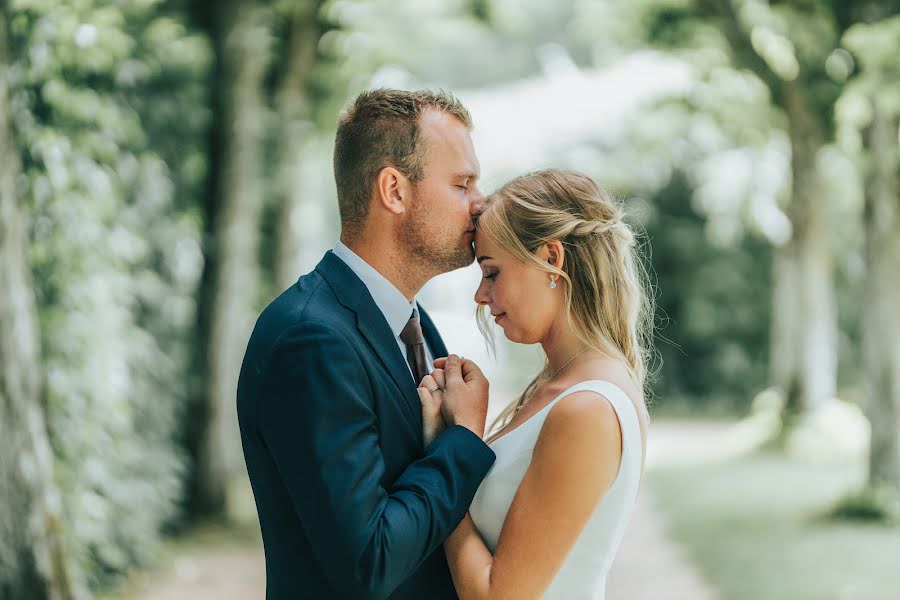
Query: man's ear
[
  {"x": 392, "y": 190},
  {"x": 554, "y": 253}
]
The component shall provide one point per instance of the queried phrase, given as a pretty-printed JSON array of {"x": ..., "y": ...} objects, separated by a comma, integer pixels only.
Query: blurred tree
[
  {"x": 872, "y": 105},
  {"x": 481, "y": 10},
  {"x": 881, "y": 325},
  {"x": 295, "y": 130},
  {"x": 115, "y": 256},
  {"x": 240, "y": 33},
  {"x": 33, "y": 560},
  {"x": 792, "y": 48}
]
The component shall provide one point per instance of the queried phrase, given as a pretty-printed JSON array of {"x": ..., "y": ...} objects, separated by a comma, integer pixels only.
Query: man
[{"x": 350, "y": 503}]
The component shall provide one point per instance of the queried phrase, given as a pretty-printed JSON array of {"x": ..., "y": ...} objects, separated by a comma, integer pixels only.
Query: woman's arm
[{"x": 575, "y": 460}]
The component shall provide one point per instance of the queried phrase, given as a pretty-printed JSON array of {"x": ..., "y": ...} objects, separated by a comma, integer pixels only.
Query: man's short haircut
[{"x": 381, "y": 129}]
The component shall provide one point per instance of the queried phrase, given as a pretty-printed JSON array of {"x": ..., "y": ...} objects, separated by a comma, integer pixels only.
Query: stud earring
[{"x": 553, "y": 282}]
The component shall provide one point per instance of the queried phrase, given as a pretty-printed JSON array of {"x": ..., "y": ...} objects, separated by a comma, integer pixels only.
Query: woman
[{"x": 559, "y": 269}]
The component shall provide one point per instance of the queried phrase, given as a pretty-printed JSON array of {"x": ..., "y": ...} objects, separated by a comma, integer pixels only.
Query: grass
[{"x": 759, "y": 528}]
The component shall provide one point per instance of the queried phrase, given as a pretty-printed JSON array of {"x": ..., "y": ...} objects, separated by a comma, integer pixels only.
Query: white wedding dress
[{"x": 583, "y": 574}]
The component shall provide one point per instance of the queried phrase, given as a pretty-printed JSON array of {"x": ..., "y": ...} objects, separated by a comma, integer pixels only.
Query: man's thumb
[{"x": 452, "y": 369}]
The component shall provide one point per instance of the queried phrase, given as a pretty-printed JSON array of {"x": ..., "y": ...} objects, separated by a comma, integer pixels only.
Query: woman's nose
[{"x": 481, "y": 295}]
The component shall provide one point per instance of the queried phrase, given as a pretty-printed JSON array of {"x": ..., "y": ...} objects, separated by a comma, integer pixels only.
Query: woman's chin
[
  {"x": 507, "y": 333},
  {"x": 515, "y": 336}
]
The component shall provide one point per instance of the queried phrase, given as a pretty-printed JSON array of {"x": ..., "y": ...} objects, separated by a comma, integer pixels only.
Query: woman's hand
[{"x": 431, "y": 394}]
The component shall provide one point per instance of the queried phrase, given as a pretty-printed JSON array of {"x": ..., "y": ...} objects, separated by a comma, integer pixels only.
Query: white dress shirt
[{"x": 390, "y": 301}]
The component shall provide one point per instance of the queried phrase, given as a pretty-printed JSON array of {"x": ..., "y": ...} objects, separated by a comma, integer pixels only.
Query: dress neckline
[{"x": 561, "y": 395}]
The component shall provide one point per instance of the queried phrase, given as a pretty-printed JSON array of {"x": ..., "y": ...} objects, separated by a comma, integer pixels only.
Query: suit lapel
[{"x": 352, "y": 293}]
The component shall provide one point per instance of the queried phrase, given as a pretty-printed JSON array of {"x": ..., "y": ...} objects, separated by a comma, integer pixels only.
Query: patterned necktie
[{"x": 415, "y": 347}]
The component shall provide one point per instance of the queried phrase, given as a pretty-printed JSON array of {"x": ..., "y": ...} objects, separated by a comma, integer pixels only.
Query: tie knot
[{"x": 412, "y": 333}]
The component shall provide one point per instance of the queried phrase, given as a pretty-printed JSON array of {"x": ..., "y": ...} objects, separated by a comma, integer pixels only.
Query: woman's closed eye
[{"x": 490, "y": 275}]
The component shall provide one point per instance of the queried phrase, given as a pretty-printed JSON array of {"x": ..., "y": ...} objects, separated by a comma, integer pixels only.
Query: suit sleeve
[{"x": 319, "y": 425}]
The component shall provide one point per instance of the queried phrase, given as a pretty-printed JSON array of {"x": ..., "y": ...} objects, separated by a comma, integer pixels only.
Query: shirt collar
[{"x": 390, "y": 301}]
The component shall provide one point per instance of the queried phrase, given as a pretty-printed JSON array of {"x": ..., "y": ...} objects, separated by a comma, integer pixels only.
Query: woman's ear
[
  {"x": 391, "y": 190},
  {"x": 554, "y": 254}
]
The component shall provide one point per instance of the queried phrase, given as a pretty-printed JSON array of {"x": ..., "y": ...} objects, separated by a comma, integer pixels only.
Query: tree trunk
[
  {"x": 32, "y": 557},
  {"x": 241, "y": 39},
  {"x": 784, "y": 356},
  {"x": 804, "y": 340},
  {"x": 295, "y": 130},
  {"x": 803, "y": 351},
  {"x": 881, "y": 321}
]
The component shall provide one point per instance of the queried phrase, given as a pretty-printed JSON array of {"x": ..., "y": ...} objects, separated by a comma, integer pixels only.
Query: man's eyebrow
[
  {"x": 468, "y": 175},
  {"x": 483, "y": 258}
]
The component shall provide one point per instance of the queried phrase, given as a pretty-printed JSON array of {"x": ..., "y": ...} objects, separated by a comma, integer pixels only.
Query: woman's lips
[{"x": 498, "y": 317}]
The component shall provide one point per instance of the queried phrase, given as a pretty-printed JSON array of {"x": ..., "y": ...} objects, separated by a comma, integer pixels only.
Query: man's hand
[{"x": 465, "y": 397}]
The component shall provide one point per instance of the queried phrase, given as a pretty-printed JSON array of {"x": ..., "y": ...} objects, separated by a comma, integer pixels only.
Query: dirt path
[
  {"x": 649, "y": 566},
  {"x": 220, "y": 572}
]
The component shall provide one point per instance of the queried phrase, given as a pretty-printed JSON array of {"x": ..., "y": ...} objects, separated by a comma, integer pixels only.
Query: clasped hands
[{"x": 455, "y": 393}]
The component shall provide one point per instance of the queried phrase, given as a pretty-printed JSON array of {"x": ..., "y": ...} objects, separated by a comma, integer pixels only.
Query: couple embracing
[{"x": 365, "y": 441}]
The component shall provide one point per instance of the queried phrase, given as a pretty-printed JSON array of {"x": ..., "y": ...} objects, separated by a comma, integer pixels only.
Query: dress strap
[{"x": 621, "y": 402}]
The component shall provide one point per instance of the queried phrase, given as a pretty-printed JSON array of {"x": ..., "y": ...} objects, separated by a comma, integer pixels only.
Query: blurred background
[{"x": 165, "y": 171}]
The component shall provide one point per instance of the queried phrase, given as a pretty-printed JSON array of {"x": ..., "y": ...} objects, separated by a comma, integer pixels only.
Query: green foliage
[
  {"x": 712, "y": 308},
  {"x": 109, "y": 114},
  {"x": 873, "y": 50},
  {"x": 671, "y": 25}
]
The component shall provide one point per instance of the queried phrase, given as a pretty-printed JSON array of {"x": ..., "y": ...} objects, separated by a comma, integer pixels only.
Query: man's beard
[{"x": 429, "y": 253}]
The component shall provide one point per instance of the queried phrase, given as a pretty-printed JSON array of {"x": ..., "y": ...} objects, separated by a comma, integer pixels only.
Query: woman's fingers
[
  {"x": 429, "y": 383},
  {"x": 429, "y": 402},
  {"x": 439, "y": 378}
]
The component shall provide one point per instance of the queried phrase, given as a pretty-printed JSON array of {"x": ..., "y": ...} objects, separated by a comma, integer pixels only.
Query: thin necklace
[
  {"x": 555, "y": 373},
  {"x": 580, "y": 352}
]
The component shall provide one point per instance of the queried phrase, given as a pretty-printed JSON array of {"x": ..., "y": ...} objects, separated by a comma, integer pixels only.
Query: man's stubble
[{"x": 429, "y": 248}]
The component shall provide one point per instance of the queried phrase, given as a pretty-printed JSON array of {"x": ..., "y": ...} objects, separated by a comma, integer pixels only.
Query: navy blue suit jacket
[{"x": 350, "y": 504}]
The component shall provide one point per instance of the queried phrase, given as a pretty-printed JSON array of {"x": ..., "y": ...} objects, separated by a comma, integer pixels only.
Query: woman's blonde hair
[{"x": 607, "y": 304}]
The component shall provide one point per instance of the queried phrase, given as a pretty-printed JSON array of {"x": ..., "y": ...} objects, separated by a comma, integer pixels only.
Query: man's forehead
[
  {"x": 441, "y": 126},
  {"x": 472, "y": 168},
  {"x": 435, "y": 117},
  {"x": 447, "y": 137}
]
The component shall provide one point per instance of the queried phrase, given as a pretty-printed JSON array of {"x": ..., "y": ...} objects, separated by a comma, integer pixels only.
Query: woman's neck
[{"x": 562, "y": 347}]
